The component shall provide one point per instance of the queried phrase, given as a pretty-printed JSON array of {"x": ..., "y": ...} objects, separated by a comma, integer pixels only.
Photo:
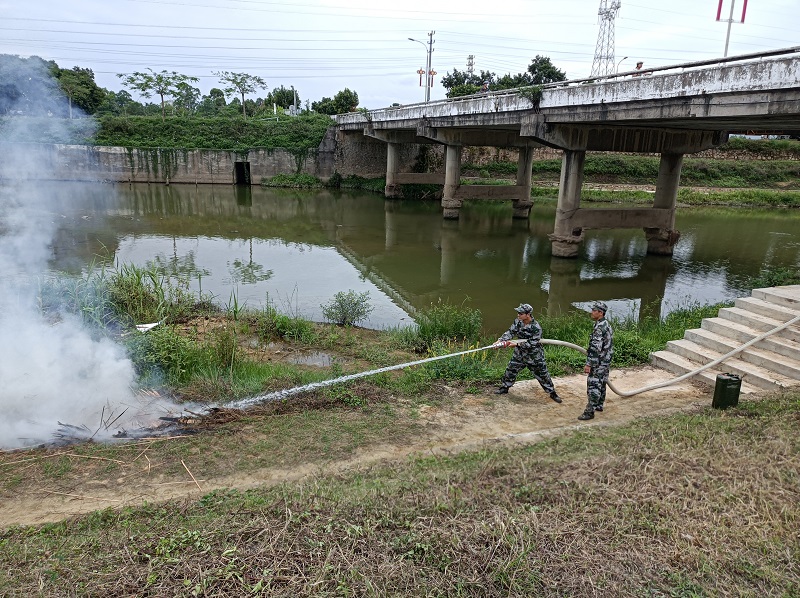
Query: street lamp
[
  {"x": 428, "y": 73},
  {"x": 620, "y": 62}
]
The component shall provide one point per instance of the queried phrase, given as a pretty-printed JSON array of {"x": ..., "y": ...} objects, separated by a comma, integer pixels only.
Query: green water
[{"x": 298, "y": 248}]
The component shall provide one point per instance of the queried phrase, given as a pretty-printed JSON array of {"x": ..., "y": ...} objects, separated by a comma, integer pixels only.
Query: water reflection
[{"x": 298, "y": 248}]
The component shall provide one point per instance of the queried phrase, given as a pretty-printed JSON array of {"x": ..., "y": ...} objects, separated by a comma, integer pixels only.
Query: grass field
[{"x": 705, "y": 503}]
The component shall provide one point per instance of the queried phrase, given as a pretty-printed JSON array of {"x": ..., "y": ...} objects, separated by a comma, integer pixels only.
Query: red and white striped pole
[{"x": 730, "y": 20}]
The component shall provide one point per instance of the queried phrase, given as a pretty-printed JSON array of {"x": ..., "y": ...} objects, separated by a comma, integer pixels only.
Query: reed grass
[{"x": 440, "y": 322}]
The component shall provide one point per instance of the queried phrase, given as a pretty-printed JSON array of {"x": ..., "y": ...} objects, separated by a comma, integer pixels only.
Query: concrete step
[
  {"x": 755, "y": 354},
  {"x": 755, "y": 375},
  {"x": 760, "y": 323},
  {"x": 742, "y": 334},
  {"x": 772, "y": 364},
  {"x": 679, "y": 365},
  {"x": 766, "y": 308},
  {"x": 787, "y": 296}
]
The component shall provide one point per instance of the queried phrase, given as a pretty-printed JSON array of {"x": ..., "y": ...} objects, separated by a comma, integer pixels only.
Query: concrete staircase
[{"x": 771, "y": 364}]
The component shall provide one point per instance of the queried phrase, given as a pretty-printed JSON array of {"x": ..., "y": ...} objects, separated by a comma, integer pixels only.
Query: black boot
[
  {"x": 598, "y": 408},
  {"x": 586, "y": 415},
  {"x": 503, "y": 390},
  {"x": 555, "y": 397}
]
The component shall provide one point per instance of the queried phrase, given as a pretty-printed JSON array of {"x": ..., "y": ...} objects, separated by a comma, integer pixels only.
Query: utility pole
[
  {"x": 603, "y": 63},
  {"x": 470, "y": 64},
  {"x": 730, "y": 21},
  {"x": 431, "y": 72},
  {"x": 427, "y": 72}
]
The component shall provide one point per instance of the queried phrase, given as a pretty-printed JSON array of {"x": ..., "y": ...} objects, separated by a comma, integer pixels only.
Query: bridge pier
[
  {"x": 455, "y": 194},
  {"x": 660, "y": 241},
  {"x": 451, "y": 202},
  {"x": 567, "y": 237},
  {"x": 658, "y": 222},
  {"x": 523, "y": 203},
  {"x": 392, "y": 188}
]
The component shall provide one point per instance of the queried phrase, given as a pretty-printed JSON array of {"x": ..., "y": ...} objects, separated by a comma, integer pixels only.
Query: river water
[{"x": 296, "y": 249}]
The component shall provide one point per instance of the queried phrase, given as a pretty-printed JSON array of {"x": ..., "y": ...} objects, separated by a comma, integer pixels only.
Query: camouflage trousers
[
  {"x": 533, "y": 359},
  {"x": 596, "y": 387}
]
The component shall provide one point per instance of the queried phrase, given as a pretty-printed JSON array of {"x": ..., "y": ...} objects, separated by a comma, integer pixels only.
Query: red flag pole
[{"x": 744, "y": 10}]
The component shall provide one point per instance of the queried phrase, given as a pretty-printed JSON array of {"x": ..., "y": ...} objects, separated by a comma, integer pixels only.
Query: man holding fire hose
[{"x": 528, "y": 352}]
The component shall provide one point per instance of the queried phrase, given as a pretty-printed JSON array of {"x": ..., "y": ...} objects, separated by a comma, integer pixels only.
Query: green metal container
[{"x": 726, "y": 392}]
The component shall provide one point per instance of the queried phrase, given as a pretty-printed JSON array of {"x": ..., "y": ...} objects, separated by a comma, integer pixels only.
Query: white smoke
[{"x": 51, "y": 368}]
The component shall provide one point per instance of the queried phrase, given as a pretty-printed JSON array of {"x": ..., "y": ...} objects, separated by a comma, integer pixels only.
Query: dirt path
[{"x": 474, "y": 421}]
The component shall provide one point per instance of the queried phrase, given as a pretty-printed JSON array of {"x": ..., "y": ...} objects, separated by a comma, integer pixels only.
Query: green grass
[
  {"x": 693, "y": 504},
  {"x": 295, "y": 181},
  {"x": 222, "y": 364},
  {"x": 731, "y": 197}
]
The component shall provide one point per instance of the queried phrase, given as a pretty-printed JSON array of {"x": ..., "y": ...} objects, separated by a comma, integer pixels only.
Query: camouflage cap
[
  {"x": 524, "y": 308},
  {"x": 600, "y": 306}
]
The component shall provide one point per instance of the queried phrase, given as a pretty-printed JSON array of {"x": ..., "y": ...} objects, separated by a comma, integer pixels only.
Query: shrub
[
  {"x": 297, "y": 181},
  {"x": 297, "y": 133},
  {"x": 335, "y": 181},
  {"x": 347, "y": 309}
]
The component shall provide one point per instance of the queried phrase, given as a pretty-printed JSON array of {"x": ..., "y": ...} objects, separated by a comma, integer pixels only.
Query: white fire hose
[{"x": 282, "y": 394}]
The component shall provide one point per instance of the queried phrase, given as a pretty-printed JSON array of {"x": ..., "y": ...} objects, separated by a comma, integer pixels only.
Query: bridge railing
[{"x": 514, "y": 99}]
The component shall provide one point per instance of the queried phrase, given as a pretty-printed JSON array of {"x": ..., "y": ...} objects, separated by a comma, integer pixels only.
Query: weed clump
[{"x": 347, "y": 309}]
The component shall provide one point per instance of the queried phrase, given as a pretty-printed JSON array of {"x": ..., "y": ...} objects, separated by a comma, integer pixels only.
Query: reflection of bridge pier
[
  {"x": 448, "y": 244},
  {"x": 648, "y": 285}
]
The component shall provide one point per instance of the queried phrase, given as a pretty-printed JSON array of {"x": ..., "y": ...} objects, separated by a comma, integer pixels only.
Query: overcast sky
[{"x": 322, "y": 46}]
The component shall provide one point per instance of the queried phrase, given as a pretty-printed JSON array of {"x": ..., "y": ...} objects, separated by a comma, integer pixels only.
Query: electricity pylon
[{"x": 603, "y": 63}]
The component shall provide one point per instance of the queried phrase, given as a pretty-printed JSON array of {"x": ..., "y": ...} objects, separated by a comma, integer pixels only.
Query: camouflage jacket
[
  {"x": 530, "y": 333},
  {"x": 601, "y": 344}
]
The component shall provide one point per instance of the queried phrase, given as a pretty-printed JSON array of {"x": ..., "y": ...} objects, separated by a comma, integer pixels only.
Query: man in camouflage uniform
[
  {"x": 598, "y": 361},
  {"x": 528, "y": 353}
]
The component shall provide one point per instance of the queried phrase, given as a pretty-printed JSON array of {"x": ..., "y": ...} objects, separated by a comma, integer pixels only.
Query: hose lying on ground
[
  {"x": 547, "y": 341},
  {"x": 282, "y": 394}
]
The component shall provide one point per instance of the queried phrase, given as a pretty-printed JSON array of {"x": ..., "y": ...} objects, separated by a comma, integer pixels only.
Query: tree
[
  {"x": 119, "y": 103},
  {"x": 509, "y": 81},
  {"x": 343, "y": 102},
  {"x": 80, "y": 88},
  {"x": 241, "y": 83},
  {"x": 187, "y": 98},
  {"x": 543, "y": 71},
  {"x": 461, "y": 83},
  {"x": 464, "y": 78},
  {"x": 282, "y": 96},
  {"x": 28, "y": 85},
  {"x": 163, "y": 83},
  {"x": 539, "y": 72},
  {"x": 324, "y": 106}
]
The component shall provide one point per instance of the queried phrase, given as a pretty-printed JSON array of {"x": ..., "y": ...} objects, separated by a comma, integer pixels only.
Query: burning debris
[{"x": 152, "y": 416}]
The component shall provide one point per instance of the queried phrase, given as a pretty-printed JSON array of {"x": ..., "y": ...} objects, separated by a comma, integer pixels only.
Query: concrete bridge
[{"x": 670, "y": 111}]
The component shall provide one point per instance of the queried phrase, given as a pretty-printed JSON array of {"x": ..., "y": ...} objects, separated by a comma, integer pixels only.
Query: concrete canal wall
[
  {"x": 167, "y": 165},
  {"x": 344, "y": 153}
]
